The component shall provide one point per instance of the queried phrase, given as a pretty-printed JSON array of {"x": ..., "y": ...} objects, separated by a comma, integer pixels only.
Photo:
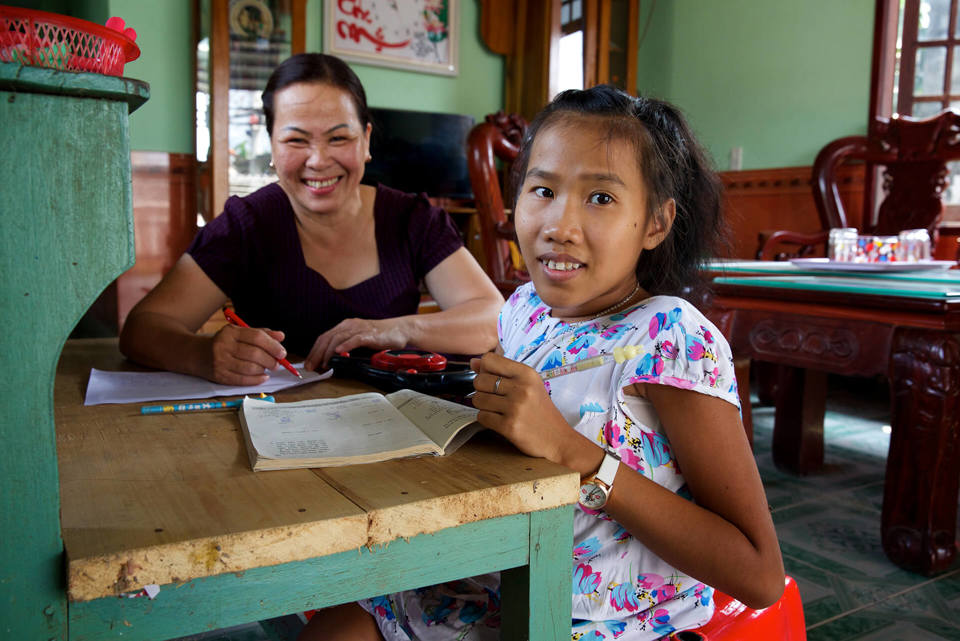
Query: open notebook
[{"x": 360, "y": 428}]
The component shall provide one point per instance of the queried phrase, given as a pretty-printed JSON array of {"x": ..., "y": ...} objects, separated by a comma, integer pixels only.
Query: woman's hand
[
  {"x": 388, "y": 333},
  {"x": 520, "y": 409},
  {"x": 240, "y": 355}
]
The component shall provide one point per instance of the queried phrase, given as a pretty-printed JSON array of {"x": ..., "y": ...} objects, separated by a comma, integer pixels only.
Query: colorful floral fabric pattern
[{"x": 620, "y": 589}]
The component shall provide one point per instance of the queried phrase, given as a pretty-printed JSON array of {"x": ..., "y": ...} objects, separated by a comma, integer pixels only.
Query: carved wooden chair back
[
  {"x": 498, "y": 137},
  {"x": 913, "y": 154}
]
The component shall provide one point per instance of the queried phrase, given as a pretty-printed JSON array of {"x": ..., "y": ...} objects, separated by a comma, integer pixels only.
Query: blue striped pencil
[{"x": 193, "y": 407}]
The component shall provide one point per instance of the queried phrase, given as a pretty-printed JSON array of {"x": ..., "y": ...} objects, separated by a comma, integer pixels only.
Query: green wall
[
  {"x": 476, "y": 90},
  {"x": 779, "y": 78},
  {"x": 164, "y": 34}
]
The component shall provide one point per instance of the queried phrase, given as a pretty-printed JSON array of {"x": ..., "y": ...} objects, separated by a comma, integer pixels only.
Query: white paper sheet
[{"x": 134, "y": 387}]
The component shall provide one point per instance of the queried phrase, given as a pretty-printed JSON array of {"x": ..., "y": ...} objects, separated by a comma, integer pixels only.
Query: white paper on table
[{"x": 134, "y": 387}]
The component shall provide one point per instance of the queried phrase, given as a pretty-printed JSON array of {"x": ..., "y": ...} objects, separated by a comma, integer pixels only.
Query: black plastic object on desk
[{"x": 419, "y": 370}]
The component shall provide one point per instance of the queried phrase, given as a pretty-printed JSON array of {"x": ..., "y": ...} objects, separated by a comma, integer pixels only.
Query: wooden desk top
[{"x": 171, "y": 497}]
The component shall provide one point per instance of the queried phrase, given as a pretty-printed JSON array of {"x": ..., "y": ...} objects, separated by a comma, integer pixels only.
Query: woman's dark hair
[
  {"x": 672, "y": 164},
  {"x": 315, "y": 67}
]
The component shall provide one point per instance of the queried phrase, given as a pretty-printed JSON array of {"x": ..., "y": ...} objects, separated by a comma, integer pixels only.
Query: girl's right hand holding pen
[
  {"x": 240, "y": 355},
  {"x": 512, "y": 401}
]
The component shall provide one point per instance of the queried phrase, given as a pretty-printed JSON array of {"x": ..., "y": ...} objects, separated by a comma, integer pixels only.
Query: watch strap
[{"x": 608, "y": 470}]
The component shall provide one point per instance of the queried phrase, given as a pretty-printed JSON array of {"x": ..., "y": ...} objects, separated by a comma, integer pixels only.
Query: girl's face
[
  {"x": 319, "y": 147},
  {"x": 582, "y": 219}
]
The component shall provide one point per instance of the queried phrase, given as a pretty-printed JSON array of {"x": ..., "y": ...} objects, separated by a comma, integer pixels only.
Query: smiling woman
[{"x": 317, "y": 263}]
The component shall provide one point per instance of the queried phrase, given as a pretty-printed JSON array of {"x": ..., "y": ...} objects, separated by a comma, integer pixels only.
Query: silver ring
[{"x": 496, "y": 386}]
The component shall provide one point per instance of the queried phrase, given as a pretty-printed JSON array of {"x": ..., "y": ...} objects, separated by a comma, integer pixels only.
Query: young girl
[{"x": 617, "y": 208}]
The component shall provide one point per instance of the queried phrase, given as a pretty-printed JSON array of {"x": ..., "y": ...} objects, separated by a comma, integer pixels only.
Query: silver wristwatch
[{"x": 595, "y": 491}]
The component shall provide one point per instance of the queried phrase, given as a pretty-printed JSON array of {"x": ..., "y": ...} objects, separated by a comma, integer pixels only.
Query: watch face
[{"x": 593, "y": 496}]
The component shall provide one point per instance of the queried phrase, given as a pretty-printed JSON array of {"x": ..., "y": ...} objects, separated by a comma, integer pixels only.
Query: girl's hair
[
  {"x": 315, "y": 67},
  {"x": 672, "y": 164}
]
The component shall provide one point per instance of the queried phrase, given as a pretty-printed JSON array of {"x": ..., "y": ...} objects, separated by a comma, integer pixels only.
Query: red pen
[{"x": 236, "y": 320}]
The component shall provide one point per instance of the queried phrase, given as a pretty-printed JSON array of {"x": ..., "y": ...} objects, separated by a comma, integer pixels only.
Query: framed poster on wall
[{"x": 417, "y": 35}]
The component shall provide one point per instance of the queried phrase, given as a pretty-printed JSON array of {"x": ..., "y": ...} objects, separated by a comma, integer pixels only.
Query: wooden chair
[
  {"x": 913, "y": 154},
  {"x": 498, "y": 137}
]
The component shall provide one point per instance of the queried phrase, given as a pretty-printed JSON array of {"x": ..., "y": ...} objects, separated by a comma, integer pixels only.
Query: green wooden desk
[
  {"x": 904, "y": 326},
  {"x": 171, "y": 500},
  {"x": 173, "y": 519}
]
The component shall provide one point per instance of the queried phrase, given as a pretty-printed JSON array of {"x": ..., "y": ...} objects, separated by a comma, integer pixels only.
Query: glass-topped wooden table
[{"x": 905, "y": 326}]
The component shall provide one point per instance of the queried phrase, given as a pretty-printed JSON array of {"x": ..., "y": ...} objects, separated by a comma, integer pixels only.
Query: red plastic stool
[{"x": 734, "y": 621}]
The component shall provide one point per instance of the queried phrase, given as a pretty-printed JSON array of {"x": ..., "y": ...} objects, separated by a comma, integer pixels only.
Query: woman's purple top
[{"x": 253, "y": 253}]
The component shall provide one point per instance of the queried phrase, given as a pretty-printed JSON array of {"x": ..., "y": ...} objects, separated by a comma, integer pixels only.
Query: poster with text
[{"x": 418, "y": 35}]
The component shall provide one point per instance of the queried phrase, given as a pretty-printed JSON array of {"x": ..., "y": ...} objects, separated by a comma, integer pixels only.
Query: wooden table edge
[
  {"x": 118, "y": 573},
  {"x": 435, "y": 514}
]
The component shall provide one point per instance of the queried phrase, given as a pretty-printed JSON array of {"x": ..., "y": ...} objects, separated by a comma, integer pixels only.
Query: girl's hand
[
  {"x": 520, "y": 409},
  {"x": 241, "y": 354},
  {"x": 351, "y": 333}
]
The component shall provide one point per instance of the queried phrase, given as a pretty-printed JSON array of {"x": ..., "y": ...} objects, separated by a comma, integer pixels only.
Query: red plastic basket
[{"x": 42, "y": 39}]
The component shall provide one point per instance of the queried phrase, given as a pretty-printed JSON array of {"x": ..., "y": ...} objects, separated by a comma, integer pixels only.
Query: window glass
[
  {"x": 955, "y": 72},
  {"x": 926, "y": 109},
  {"x": 934, "y": 19},
  {"x": 951, "y": 193},
  {"x": 931, "y": 62},
  {"x": 925, "y": 89},
  {"x": 260, "y": 39},
  {"x": 571, "y": 61},
  {"x": 203, "y": 99}
]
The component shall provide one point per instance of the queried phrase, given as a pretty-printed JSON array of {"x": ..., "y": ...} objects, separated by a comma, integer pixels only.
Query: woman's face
[
  {"x": 319, "y": 147},
  {"x": 582, "y": 219}
]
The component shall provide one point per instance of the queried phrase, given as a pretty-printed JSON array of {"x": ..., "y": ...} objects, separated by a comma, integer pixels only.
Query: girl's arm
[
  {"x": 466, "y": 324},
  {"x": 160, "y": 332},
  {"x": 725, "y": 539}
]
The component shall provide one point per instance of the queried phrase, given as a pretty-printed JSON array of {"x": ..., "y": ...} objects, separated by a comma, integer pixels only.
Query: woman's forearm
[
  {"x": 157, "y": 340},
  {"x": 470, "y": 304},
  {"x": 467, "y": 328}
]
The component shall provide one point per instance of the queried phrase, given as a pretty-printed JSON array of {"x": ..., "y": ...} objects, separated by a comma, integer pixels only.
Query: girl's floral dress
[{"x": 620, "y": 589}]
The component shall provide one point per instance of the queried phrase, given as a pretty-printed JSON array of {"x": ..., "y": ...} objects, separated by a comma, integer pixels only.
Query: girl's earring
[{"x": 271, "y": 165}]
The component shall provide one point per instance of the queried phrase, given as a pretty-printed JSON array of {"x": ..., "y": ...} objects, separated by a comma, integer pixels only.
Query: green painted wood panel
[
  {"x": 66, "y": 231},
  {"x": 544, "y": 539},
  {"x": 546, "y": 587}
]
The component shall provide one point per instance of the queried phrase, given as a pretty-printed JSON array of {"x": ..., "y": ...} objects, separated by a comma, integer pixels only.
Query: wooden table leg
[
  {"x": 544, "y": 584},
  {"x": 923, "y": 467},
  {"x": 798, "y": 421}
]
